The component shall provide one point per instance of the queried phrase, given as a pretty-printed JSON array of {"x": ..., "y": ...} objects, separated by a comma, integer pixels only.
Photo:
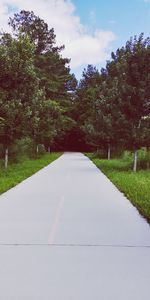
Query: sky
[{"x": 89, "y": 29}]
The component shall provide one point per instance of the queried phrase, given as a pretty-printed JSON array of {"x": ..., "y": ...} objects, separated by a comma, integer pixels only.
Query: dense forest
[{"x": 43, "y": 106}]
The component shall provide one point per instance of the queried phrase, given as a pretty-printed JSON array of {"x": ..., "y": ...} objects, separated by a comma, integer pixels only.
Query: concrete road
[{"x": 67, "y": 233}]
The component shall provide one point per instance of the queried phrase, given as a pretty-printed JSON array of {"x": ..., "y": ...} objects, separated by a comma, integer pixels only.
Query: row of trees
[
  {"x": 41, "y": 99},
  {"x": 34, "y": 84},
  {"x": 114, "y": 104}
]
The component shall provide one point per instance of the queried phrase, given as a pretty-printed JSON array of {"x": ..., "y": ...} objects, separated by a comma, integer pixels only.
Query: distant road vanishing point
[{"x": 67, "y": 233}]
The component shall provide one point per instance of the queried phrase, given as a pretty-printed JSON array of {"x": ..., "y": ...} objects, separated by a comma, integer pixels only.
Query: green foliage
[
  {"x": 130, "y": 68},
  {"x": 34, "y": 85},
  {"x": 24, "y": 147},
  {"x": 17, "y": 78},
  {"x": 115, "y": 106},
  {"x": 26, "y": 22},
  {"x": 41, "y": 99}
]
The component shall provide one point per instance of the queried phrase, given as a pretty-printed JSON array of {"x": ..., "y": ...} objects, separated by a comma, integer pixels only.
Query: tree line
[
  {"x": 114, "y": 104},
  {"x": 42, "y": 100},
  {"x": 34, "y": 84}
]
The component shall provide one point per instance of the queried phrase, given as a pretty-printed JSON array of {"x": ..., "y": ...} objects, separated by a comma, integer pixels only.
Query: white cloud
[{"x": 82, "y": 46}]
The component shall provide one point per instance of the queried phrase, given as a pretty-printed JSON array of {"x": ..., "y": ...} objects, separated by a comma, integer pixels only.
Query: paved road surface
[{"x": 67, "y": 233}]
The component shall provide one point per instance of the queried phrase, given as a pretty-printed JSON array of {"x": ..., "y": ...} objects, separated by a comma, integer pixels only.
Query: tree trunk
[
  {"x": 135, "y": 160},
  {"x": 148, "y": 157},
  {"x": 49, "y": 149},
  {"x": 109, "y": 152},
  {"x": 6, "y": 158},
  {"x": 37, "y": 149}
]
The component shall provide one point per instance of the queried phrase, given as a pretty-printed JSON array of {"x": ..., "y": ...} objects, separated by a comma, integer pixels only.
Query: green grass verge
[
  {"x": 26, "y": 167},
  {"x": 136, "y": 186}
]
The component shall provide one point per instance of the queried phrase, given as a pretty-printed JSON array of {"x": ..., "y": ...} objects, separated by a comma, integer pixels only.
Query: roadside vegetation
[
  {"x": 22, "y": 169},
  {"x": 136, "y": 186}
]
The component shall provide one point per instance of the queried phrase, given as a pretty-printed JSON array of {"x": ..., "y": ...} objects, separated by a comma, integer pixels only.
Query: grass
[
  {"x": 26, "y": 167},
  {"x": 136, "y": 186}
]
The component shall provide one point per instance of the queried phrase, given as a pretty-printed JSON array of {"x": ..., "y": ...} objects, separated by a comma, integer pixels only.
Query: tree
[
  {"x": 49, "y": 121},
  {"x": 17, "y": 80},
  {"x": 86, "y": 95},
  {"x": 52, "y": 70},
  {"x": 131, "y": 66},
  {"x": 28, "y": 23}
]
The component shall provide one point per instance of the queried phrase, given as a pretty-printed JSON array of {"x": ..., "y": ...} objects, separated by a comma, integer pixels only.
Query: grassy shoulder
[
  {"x": 136, "y": 186},
  {"x": 26, "y": 167}
]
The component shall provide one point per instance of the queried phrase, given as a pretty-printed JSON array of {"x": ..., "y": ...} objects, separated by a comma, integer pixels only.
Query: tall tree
[
  {"x": 17, "y": 78},
  {"x": 131, "y": 66},
  {"x": 27, "y": 22},
  {"x": 53, "y": 70},
  {"x": 86, "y": 95}
]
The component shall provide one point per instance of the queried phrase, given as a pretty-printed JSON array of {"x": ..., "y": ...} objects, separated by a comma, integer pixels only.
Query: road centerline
[{"x": 55, "y": 224}]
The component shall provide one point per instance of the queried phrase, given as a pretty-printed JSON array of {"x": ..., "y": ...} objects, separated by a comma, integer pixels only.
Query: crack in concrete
[{"x": 74, "y": 245}]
